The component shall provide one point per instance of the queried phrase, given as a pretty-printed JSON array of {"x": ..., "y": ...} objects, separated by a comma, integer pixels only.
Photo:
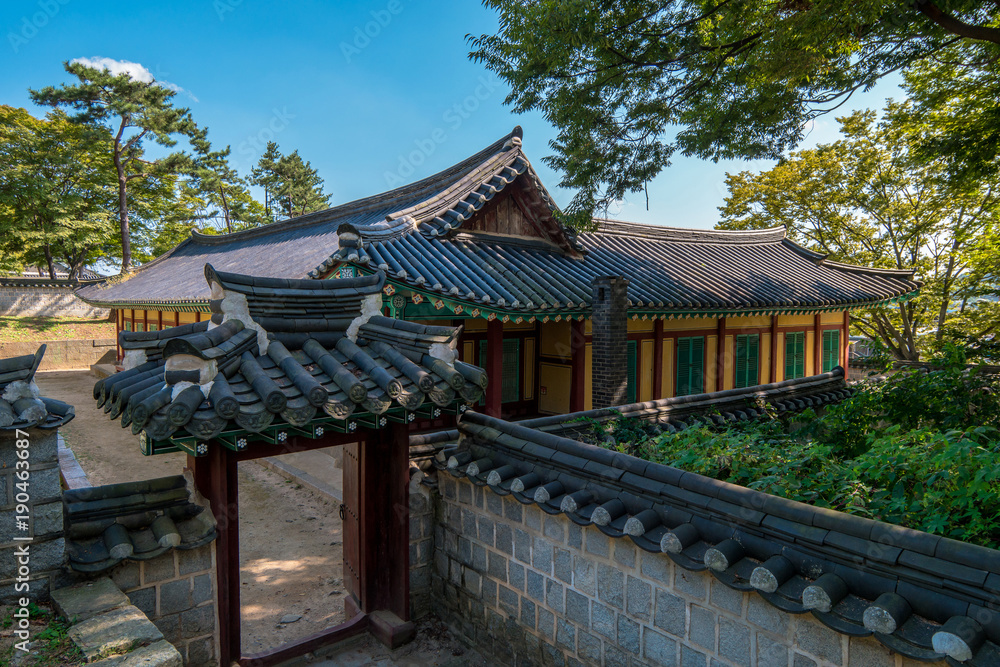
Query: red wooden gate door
[{"x": 350, "y": 512}]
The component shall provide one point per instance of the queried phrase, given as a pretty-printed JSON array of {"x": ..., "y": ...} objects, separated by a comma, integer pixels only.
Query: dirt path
[{"x": 290, "y": 538}]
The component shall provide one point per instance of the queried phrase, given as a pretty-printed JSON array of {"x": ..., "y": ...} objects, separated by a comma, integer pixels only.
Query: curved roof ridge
[
  {"x": 688, "y": 235},
  {"x": 870, "y": 270},
  {"x": 371, "y": 202}
]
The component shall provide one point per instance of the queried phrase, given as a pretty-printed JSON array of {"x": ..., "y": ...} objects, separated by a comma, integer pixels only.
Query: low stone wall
[
  {"x": 529, "y": 588},
  {"x": 43, "y": 555},
  {"x": 65, "y": 354},
  {"x": 19, "y": 299},
  {"x": 176, "y": 591}
]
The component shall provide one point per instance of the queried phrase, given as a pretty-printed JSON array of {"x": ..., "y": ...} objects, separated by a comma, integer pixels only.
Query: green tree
[
  {"x": 221, "y": 190},
  {"x": 57, "y": 186},
  {"x": 629, "y": 83},
  {"x": 133, "y": 111},
  {"x": 871, "y": 199},
  {"x": 292, "y": 187}
]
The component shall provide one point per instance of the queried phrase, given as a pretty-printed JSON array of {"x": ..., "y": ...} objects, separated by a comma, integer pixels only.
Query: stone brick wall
[
  {"x": 610, "y": 340},
  {"x": 46, "y": 550},
  {"x": 65, "y": 354},
  {"x": 177, "y": 592},
  {"x": 45, "y": 301},
  {"x": 421, "y": 549},
  {"x": 530, "y": 588}
]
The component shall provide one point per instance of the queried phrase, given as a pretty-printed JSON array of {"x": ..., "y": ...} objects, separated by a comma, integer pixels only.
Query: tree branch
[{"x": 956, "y": 26}]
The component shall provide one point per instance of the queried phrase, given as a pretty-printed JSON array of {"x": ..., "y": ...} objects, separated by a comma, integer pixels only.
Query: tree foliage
[
  {"x": 134, "y": 112},
  {"x": 292, "y": 187},
  {"x": 628, "y": 84},
  {"x": 57, "y": 185},
  {"x": 873, "y": 199}
]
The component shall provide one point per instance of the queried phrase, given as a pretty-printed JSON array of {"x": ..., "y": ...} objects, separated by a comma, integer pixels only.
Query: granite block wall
[
  {"x": 421, "y": 549},
  {"x": 44, "y": 553},
  {"x": 534, "y": 589},
  {"x": 176, "y": 591},
  {"x": 50, "y": 301}
]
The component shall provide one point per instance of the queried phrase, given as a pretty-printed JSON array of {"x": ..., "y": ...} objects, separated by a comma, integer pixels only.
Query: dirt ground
[
  {"x": 290, "y": 538},
  {"x": 54, "y": 328}
]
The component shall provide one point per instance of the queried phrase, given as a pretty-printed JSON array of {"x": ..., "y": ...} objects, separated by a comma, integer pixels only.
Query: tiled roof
[
  {"x": 20, "y": 405},
  {"x": 669, "y": 270},
  {"x": 293, "y": 248},
  {"x": 133, "y": 520},
  {"x": 284, "y": 353},
  {"x": 416, "y": 234},
  {"x": 924, "y": 596}
]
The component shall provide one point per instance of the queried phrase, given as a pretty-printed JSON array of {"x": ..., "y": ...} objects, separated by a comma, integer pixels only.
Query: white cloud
[{"x": 136, "y": 71}]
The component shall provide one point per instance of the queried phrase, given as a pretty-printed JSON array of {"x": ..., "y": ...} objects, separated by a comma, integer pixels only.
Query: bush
[{"x": 918, "y": 450}]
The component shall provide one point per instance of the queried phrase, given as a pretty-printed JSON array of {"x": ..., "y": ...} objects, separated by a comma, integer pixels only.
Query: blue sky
[{"x": 359, "y": 88}]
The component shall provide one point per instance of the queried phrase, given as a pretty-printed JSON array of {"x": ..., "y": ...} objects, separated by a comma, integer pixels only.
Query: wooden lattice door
[{"x": 350, "y": 512}]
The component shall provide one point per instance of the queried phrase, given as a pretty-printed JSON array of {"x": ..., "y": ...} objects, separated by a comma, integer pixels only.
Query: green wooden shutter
[
  {"x": 511, "y": 390},
  {"x": 630, "y": 365},
  {"x": 795, "y": 357},
  {"x": 747, "y": 360},
  {"x": 831, "y": 350},
  {"x": 690, "y": 365}
]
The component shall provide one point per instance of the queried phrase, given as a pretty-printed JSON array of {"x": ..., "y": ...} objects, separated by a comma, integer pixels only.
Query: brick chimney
[{"x": 609, "y": 375}]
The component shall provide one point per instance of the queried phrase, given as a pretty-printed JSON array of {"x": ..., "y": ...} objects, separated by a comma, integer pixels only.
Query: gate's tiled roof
[
  {"x": 417, "y": 235},
  {"x": 284, "y": 353},
  {"x": 21, "y": 406},
  {"x": 924, "y": 596}
]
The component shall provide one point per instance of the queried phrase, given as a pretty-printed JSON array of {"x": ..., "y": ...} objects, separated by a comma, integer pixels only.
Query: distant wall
[
  {"x": 46, "y": 298},
  {"x": 64, "y": 354}
]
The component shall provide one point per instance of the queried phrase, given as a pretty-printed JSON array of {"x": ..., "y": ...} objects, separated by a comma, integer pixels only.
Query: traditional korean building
[{"x": 478, "y": 244}]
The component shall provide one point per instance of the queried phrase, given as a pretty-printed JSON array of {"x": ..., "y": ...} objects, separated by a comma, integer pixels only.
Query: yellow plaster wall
[
  {"x": 764, "y": 355},
  {"x": 711, "y": 361},
  {"x": 474, "y": 324},
  {"x": 748, "y": 321},
  {"x": 729, "y": 361},
  {"x": 467, "y": 354},
  {"x": 690, "y": 324},
  {"x": 529, "y": 369},
  {"x": 187, "y": 318},
  {"x": 588, "y": 326},
  {"x": 640, "y": 326},
  {"x": 796, "y": 320},
  {"x": 515, "y": 326},
  {"x": 667, "y": 376},
  {"x": 555, "y": 340},
  {"x": 645, "y": 373},
  {"x": 556, "y": 380},
  {"x": 832, "y": 318},
  {"x": 810, "y": 353}
]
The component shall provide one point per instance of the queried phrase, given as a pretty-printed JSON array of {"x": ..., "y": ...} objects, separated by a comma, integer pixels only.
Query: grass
[
  {"x": 50, "y": 644},
  {"x": 30, "y": 328}
]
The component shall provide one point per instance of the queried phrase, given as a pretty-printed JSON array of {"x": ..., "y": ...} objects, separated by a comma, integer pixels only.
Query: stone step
[
  {"x": 116, "y": 631},
  {"x": 158, "y": 654},
  {"x": 88, "y": 599}
]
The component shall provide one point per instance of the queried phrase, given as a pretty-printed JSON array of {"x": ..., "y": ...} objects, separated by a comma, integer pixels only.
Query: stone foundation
[
  {"x": 46, "y": 548},
  {"x": 65, "y": 354},
  {"x": 45, "y": 301},
  {"x": 176, "y": 591}
]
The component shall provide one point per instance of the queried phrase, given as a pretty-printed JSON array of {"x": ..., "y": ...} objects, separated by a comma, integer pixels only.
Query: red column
[
  {"x": 720, "y": 356},
  {"x": 657, "y": 359},
  {"x": 578, "y": 350},
  {"x": 774, "y": 348},
  {"x": 494, "y": 367},
  {"x": 817, "y": 345}
]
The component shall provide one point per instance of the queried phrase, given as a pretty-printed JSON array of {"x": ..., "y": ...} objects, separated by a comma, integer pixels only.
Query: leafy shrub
[{"x": 919, "y": 450}]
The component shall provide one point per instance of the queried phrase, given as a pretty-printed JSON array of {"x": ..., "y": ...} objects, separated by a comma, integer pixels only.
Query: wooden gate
[{"x": 350, "y": 512}]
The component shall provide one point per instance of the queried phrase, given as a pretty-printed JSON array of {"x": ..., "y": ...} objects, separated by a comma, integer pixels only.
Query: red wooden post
[
  {"x": 494, "y": 367},
  {"x": 846, "y": 345},
  {"x": 720, "y": 356},
  {"x": 197, "y": 316},
  {"x": 159, "y": 320},
  {"x": 657, "y": 359},
  {"x": 817, "y": 345},
  {"x": 578, "y": 350},
  {"x": 177, "y": 318},
  {"x": 774, "y": 348}
]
